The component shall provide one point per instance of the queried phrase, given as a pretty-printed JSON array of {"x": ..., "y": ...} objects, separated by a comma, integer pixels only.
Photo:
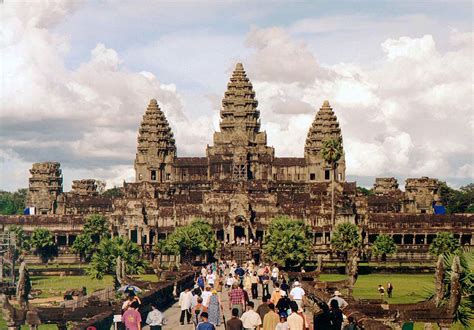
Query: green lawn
[{"x": 56, "y": 285}]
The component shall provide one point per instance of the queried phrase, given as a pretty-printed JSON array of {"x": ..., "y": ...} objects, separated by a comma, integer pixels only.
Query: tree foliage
[
  {"x": 364, "y": 191},
  {"x": 383, "y": 246},
  {"x": 95, "y": 228},
  {"x": 104, "y": 259},
  {"x": 457, "y": 201},
  {"x": 12, "y": 203},
  {"x": 444, "y": 243},
  {"x": 332, "y": 151},
  {"x": 346, "y": 237},
  {"x": 43, "y": 242},
  {"x": 22, "y": 241},
  {"x": 191, "y": 240},
  {"x": 287, "y": 241},
  {"x": 114, "y": 192}
]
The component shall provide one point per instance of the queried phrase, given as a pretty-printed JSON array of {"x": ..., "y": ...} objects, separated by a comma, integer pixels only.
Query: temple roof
[
  {"x": 325, "y": 126},
  {"x": 155, "y": 131},
  {"x": 239, "y": 106}
]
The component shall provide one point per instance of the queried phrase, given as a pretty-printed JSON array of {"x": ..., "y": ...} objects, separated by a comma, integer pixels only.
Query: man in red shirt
[
  {"x": 132, "y": 317},
  {"x": 236, "y": 298}
]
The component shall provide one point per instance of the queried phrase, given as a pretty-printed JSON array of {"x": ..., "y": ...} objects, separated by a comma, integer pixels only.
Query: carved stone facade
[{"x": 239, "y": 186}]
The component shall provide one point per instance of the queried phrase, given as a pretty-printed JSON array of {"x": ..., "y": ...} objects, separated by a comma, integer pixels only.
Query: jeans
[
  {"x": 188, "y": 316},
  {"x": 254, "y": 290}
]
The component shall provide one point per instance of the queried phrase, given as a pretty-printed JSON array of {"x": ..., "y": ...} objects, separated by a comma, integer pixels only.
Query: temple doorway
[{"x": 239, "y": 232}]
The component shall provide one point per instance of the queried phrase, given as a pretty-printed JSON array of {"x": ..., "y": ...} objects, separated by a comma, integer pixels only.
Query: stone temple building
[{"x": 239, "y": 186}]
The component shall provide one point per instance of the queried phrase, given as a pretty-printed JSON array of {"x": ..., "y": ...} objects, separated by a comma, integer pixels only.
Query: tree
[
  {"x": 104, "y": 259},
  {"x": 457, "y": 201},
  {"x": 287, "y": 241},
  {"x": 444, "y": 243},
  {"x": 95, "y": 228},
  {"x": 331, "y": 153},
  {"x": 364, "y": 191},
  {"x": 12, "y": 203},
  {"x": 346, "y": 239},
  {"x": 384, "y": 245},
  {"x": 191, "y": 240},
  {"x": 22, "y": 241},
  {"x": 113, "y": 192},
  {"x": 43, "y": 242}
]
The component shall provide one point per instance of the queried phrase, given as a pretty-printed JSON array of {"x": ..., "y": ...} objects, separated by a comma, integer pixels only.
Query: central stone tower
[{"x": 240, "y": 150}]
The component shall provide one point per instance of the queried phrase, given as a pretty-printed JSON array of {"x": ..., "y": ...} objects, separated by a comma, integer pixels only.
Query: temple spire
[
  {"x": 324, "y": 127},
  {"x": 239, "y": 107},
  {"x": 156, "y": 145}
]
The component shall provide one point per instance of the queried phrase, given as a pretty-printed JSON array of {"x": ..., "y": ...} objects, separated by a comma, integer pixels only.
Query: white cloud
[{"x": 392, "y": 115}]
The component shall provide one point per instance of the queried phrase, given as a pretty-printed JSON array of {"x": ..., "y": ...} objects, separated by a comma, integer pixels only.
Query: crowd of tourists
[{"x": 259, "y": 297}]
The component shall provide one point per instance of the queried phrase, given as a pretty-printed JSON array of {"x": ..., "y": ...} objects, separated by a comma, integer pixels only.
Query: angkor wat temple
[{"x": 239, "y": 187}]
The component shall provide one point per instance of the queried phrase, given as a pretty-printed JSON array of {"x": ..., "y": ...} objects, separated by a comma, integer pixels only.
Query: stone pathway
[{"x": 173, "y": 313}]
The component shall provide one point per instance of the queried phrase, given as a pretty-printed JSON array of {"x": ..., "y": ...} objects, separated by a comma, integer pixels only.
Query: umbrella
[{"x": 127, "y": 288}]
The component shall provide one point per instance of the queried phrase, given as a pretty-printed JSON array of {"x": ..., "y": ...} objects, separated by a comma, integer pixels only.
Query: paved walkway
[{"x": 173, "y": 313}]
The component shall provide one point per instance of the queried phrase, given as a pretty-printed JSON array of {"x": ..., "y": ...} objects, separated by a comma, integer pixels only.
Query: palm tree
[{"x": 331, "y": 153}]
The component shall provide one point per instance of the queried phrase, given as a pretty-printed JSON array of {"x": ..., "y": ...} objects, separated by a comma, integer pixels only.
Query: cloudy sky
[{"x": 76, "y": 78}]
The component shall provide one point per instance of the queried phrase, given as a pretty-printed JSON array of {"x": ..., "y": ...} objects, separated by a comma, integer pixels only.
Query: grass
[{"x": 56, "y": 285}]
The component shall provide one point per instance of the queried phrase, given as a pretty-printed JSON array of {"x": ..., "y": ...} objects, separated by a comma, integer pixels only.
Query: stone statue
[
  {"x": 439, "y": 281},
  {"x": 455, "y": 294},
  {"x": 23, "y": 287},
  {"x": 320, "y": 263}
]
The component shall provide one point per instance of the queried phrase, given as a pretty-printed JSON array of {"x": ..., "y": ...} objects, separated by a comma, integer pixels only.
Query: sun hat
[
  {"x": 337, "y": 293},
  {"x": 214, "y": 291},
  {"x": 283, "y": 293},
  {"x": 296, "y": 283}
]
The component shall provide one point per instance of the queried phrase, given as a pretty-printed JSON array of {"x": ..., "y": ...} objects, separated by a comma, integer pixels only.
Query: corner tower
[
  {"x": 325, "y": 127},
  {"x": 240, "y": 150},
  {"x": 156, "y": 147}
]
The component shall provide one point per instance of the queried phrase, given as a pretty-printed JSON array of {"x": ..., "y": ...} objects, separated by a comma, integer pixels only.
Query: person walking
[
  {"x": 297, "y": 294},
  {"x": 205, "y": 324},
  {"x": 283, "y": 304},
  {"x": 282, "y": 325},
  {"x": 341, "y": 301},
  {"x": 250, "y": 319},
  {"x": 254, "y": 279},
  {"x": 389, "y": 289},
  {"x": 132, "y": 318},
  {"x": 185, "y": 301},
  {"x": 214, "y": 309},
  {"x": 295, "y": 321},
  {"x": 155, "y": 318},
  {"x": 263, "y": 308},
  {"x": 247, "y": 282},
  {"x": 235, "y": 323},
  {"x": 381, "y": 291},
  {"x": 197, "y": 310},
  {"x": 336, "y": 315},
  {"x": 271, "y": 319},
  {"x": 276, "y": 294},
  {"x": 205, "y": 295},
  {"x": 322, "y": 320},
  {"x": 236, "y": 298}
]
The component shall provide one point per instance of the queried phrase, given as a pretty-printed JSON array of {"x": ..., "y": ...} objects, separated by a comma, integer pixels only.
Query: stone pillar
[
  {"x": 67, "y": 239},
  {"x": 232, "y": 236},
  {"x": 246, "y": 234},
  {"x": 139, "y": 236},
  {"x": 426, "y": 239},
  {"x": 55, "y": 238}
]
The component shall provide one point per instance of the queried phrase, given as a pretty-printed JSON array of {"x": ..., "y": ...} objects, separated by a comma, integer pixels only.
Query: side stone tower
[
  {"x": 240, "y": 150},
  {"x": 325, "y": 127},
  {"x": 45, "y": 185},
  {"x": 156, "y": 147}
]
